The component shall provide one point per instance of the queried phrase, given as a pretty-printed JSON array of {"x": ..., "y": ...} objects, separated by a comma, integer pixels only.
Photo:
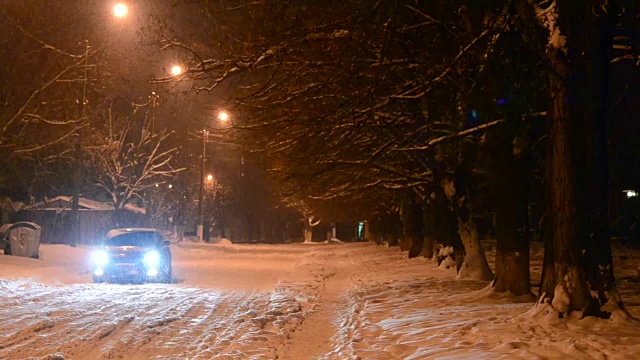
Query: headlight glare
[
  {"x": 152, "y": 258},
  {"x": 152, "y": 272},
  {"x": 100, "y": 258}
]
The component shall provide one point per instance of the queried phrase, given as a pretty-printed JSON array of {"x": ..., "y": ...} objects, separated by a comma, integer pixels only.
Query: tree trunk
[
  {"x": 308, "y": 231},
  {"x": 412, "y": 220},
  {"x": 475, "y": 264},
  {"x": 429, "y": 230},
  {"x": 563, "y": 269},
  {"x": 375, "y": 229},
  {"x": 392, "y": 226},
  {"x": 577, "y": 171},
  {"x": 509, "y": 178},
  {"x": 598, "y": 250},
  {"x": 444, "y": 218}
]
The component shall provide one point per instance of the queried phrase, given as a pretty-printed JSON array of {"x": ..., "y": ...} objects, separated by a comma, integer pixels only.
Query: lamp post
[
  {"x": 119, "y": 11},
  {"x": 222, "y": 116},
  {"x": 154, "y": 101},
  {"x": 200, "y": 229},
  {"x": 77, "y": 176}
]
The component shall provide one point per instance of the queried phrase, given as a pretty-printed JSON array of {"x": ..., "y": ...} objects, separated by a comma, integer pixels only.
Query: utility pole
[
  {"x": 75, "y": 202},
  {"x": 200, "y": 229},
  {"x": 154, "y": 98}
]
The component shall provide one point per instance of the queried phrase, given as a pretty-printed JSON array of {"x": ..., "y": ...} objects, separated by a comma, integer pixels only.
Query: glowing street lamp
[
  {"x": 209, "y": 177},
  {"x": 176, "y": 70},
  {"x": 223, "y": 115},
  {"x": 120, "y": 10}
]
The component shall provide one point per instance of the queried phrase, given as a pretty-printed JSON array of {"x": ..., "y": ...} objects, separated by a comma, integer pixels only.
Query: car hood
[
  {"x": 128, "y": 249},
  {"x": 126, "y": 253}
]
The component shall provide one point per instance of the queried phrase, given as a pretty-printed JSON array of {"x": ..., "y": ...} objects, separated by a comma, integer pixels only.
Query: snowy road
[
  {"x": 227, "y": 302},
  {"x": 291, "y": 302}
]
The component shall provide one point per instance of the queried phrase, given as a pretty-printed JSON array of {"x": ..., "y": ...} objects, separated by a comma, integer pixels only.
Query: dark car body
[{"x": 133, "y": 255}]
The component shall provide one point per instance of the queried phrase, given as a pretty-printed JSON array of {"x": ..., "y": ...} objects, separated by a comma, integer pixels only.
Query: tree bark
[
  {"x": 411, "y": 219},
  {"x": 444, "y": 218},
  {"x": 598, "y": 250},
  {"x": 392, "y": 226},
  {"x": 580, "y": 249},
  {"x": 429, "y": 229},
  {"x": 508, "y": 172},
  {"x": 307, "y": 231},
  {"x": 564, "y": 267},
  {"x": 475, "y": 264}
]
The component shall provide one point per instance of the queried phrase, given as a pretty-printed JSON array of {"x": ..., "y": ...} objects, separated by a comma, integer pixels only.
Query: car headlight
[
  {"x": 100, "y": 258},
  {"x": 152, "y": 258}
]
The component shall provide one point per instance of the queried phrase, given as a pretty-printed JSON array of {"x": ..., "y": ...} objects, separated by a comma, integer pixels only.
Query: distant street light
[
  {"x": 209, "y": 177},
  {"x": 120, "y": 10},
  {"x": 223, "y": 115},
  {"x": 176, "y": 70}
]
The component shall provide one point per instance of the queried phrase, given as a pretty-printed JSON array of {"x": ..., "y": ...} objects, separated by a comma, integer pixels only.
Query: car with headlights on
[{"x": 132, "y": 255}]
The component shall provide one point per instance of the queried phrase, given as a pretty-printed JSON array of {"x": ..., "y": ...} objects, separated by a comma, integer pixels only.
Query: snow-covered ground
[{"x": 297, "y": 301}]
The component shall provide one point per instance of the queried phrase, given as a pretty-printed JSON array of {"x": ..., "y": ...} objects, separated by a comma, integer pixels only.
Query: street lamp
[
  {"x": 223, "y": 115},
  {"x": 176, "y": 70},
  {"x": 120, "y": 10}
]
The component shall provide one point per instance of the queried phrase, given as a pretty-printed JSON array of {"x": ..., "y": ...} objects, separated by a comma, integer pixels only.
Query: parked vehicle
[{"x": 132, "y": 255}]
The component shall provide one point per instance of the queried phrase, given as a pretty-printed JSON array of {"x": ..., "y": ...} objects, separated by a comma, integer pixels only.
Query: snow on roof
[
  {"x": 87, "y": 204},
  {"x": 25, "y": 224},
  {"x": 7, "y": 203},
  {"x": 116, "y": 232},
  {"x": 4, "y": 228},
  {"x": 135, "y": 208}
]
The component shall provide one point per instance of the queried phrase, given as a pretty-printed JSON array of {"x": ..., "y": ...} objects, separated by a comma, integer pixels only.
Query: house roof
[
  {"x": 83, "y": 203},
  {"x": 7, "y": 204}
]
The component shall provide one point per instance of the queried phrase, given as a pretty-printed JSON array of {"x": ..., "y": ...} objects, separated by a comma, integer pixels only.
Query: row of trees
[{"x": 421, "y": 111}]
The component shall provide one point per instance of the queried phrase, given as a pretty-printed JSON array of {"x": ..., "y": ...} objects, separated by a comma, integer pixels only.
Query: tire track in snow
[
  {"x": 141, "y": 322},
  {"x": 81, "y": 329},
  {"x": 327, "y": 291},
  {"x": 159, "y": 321},
  {"x": 164, "y": 313}
]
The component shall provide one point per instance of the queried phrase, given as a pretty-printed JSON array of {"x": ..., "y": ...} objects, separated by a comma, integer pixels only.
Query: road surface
[{"x": 226, "y": 302}]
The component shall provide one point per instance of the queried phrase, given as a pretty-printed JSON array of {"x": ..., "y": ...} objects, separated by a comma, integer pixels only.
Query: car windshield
[{"x": 142, "y": 239}]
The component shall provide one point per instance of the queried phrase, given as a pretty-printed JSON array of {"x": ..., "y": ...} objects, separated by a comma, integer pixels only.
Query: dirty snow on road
[{"x": 296, "y": 301}]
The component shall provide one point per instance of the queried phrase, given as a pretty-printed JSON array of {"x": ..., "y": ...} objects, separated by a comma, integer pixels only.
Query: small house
[{"x": 95, "y": 219}]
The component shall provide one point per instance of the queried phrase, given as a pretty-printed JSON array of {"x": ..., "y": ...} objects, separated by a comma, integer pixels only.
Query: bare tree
[{"x": 128, "y": 160}]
